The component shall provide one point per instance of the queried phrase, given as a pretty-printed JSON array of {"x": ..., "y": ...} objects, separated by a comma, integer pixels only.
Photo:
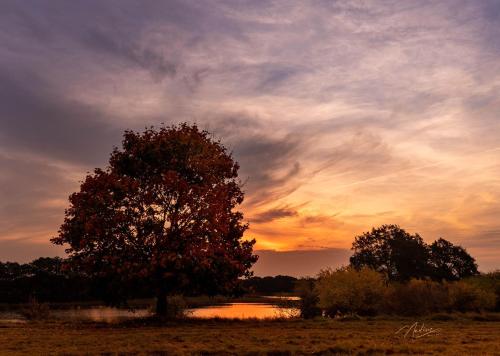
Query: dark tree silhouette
[
  {"x": 12, "y": 270},
  {"x": 270, "y": 285},
  {"x": 163, "y": 211},
  {"x": 392, "y": 251},
  {"x": 43, "y": 279},
  {"x": 309, "y": 298},
  {"x": 401, "y": 256},
  {"x": 47, "y": 265},
  {"x": 451, "y": 262}
]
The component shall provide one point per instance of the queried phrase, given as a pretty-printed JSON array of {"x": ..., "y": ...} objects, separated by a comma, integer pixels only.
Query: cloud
[
  {"x": 270, "y": 167},
  {"x": 34, "y": 195},
  {"x": 156, "y": 64},
  {"x": 371, "y": 112},
  {"x": 322, "y": 220},
  {"x": 269, "y": 160},
  {"x": 36, "y": 118},
  {"x": 273, "y": 214}
]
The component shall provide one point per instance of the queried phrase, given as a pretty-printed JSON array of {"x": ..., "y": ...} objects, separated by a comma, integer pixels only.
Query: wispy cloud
[{"x": 342, "y": 114}]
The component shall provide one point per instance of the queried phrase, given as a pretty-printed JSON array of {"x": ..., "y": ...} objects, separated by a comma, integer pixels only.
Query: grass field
[{"x": 460, "y": 336}]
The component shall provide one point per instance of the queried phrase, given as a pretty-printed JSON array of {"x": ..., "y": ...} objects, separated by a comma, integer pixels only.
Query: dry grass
[{"x": 460, "y": 336}]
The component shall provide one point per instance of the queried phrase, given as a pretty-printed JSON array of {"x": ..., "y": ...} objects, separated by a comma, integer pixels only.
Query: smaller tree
[
  {"x": 309, "y": 298},
  {"x": 451, "y": 262},
  {"x": 393, "y": 251},
  {"x": 401, "y": 256}
]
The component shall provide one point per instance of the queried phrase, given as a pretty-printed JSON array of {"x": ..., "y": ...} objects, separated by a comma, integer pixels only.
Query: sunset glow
[{"x": 343, "y": 115}]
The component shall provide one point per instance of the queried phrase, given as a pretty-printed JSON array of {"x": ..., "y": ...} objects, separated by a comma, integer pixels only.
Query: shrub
[
  {"x": 309, "y": 299},
  {"x": 420, "y": 297},
  {"x": 489, "y": 281},
  {"x": 417, "y": 297},
  {"x": 366, "y": 292},
  {"x": 347, "y": 290},
  {"x": 176, "y": 307},
  {"x": 465, "y": 296}
]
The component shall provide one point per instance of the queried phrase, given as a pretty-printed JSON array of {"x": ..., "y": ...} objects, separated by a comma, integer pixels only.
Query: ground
[{"x": 459, "y": 336}]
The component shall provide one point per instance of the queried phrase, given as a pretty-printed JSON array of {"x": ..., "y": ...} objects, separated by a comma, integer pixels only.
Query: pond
[
  {"x": 244, "y": 311},
  {"x": 107, "y": 314}
]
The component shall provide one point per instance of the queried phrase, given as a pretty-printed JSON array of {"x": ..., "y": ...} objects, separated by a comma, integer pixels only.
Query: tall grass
[{"x": 35, "y": 310}]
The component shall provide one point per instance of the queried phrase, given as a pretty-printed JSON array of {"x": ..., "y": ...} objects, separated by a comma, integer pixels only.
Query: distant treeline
[
  {"x": 49, "y": 280},
  {"x": 270, "y": 285}
]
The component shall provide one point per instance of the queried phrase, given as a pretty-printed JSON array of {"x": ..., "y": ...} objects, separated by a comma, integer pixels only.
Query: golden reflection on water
[
  {"x": 225, "y": 311},
  {"x": 243, "y": 311},
  {"x": 100, "y": 314}
]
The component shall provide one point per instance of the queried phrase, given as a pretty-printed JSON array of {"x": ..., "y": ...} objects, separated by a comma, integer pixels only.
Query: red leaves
[{"x": 162, "y": 209}]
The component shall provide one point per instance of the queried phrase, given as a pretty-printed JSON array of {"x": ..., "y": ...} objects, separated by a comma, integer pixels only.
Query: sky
[{"x": 343, "y": 115}]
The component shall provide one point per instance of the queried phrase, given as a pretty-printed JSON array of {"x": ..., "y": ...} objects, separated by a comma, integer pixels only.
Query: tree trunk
[{"x": 161, "y": 304}]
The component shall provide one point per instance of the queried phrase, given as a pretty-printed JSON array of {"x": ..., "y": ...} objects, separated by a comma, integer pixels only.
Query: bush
[
  {"x": 309, "y": 299},
  {"x": 465, "y": 296},
  {"x": 417, "y": 297},
  {"x": 366, "y": 292},
  {"x": 347, "y": 290},
  {"x": 489, "y": 281},
  {"x": 176, "y": 307},
  {"x": 420, "y": 297}
]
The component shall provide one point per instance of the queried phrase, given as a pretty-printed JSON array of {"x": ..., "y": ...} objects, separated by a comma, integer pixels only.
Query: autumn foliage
[
  {"x": 163, "y": 211},
  {"x": 365, "y": 291}
]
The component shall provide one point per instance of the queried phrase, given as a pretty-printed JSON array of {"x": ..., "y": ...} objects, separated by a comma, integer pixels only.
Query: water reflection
[
  {"x": 11, "y": 317},
  {"x": 243, "y": 311},
  {"x": 100, "y": 314},
  {"x": 281, "y": 297},
  {"x": 110, "y": 315}
]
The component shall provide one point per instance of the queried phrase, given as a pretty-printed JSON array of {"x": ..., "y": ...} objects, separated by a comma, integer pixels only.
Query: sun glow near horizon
[{"x": 342, "y": 116}]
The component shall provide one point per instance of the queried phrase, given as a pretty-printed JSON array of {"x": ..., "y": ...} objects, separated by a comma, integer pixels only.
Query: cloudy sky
[{"x": 343, "y": 114}]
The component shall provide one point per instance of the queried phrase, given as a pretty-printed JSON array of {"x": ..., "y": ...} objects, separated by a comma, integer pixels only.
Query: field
[{"x": 462, "y": 335}]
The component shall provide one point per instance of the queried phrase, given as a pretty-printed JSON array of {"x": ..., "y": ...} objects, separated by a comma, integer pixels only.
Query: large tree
[{"x": 162, "y": 211}]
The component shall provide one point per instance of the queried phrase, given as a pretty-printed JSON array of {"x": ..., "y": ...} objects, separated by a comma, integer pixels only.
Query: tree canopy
[
  {"x": 401, "y": 256},
  {"x": 164, "y": 210},
  {"x": 451, "y": 262}
]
